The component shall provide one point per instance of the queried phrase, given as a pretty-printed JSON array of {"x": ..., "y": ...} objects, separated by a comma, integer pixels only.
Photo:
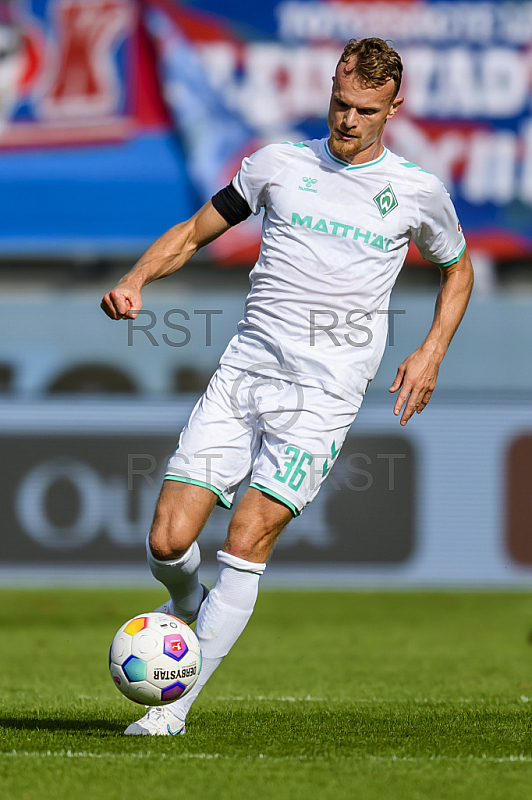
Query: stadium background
[{"x": 117, "y": 119}]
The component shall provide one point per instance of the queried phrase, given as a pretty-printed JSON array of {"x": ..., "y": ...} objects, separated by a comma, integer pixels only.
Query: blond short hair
[{"x": 375, "y": 62}]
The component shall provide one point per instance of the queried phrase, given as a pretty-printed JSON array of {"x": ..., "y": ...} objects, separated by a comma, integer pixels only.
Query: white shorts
[{"x": 286, "y": 435}]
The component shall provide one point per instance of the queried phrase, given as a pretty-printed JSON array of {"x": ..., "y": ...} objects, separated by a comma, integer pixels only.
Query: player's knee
[
  {"x": 250, "y": 545},
  {"x": 163, "y": 551},
  {"x": 167, "y": 546},
  {"x": 179, "y": 517}
]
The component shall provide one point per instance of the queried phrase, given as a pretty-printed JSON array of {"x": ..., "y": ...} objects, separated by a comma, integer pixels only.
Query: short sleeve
[
  {"x": 255, "y": 174},
  {"x": 439, "y": 236}
]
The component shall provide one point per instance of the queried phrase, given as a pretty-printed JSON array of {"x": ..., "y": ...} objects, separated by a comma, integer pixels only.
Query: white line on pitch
[
  {"x": 249, "y": 757},
  {"x": 418, "y": 700}
]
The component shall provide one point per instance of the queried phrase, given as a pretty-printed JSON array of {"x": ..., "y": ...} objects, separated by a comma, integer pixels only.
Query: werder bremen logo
[{"x": 386, "y": 200}]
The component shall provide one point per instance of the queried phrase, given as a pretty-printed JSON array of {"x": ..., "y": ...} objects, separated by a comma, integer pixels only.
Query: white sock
[
  {"x": 181, "y": 579},
  {"x": 222, "y": 618}
]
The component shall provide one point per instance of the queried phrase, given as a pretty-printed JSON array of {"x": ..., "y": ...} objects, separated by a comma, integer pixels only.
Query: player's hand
[
  {"x": 416, "y": 378},
  {"x": 123, "y": 302}
]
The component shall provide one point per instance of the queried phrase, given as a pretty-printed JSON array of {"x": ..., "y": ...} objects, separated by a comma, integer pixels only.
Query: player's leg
[
  {"x": 214, "y": 454},
  {"x": 293, "y": 461},
  {"x": 292, "y": 464},
  {"x": 173, "y": 553},
  {"x": 256, "y": 525},
  {"x": 258, "y": 521}
]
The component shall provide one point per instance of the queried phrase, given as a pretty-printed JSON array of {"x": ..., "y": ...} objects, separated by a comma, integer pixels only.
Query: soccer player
[{"x": 339, "y": 214}]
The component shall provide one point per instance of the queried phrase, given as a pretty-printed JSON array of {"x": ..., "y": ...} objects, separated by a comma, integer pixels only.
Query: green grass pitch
[{"x": 327, "y": 694}]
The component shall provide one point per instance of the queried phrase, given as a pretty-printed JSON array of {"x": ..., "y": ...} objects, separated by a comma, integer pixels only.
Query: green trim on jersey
[
  {"x": 355, "y": 166},
  {"x": 283, "y": 500},
  {"x": 452, "y": 261},
  {"x": 411, "y": 165},
  {"x": 221, "y": 499},
  {"x": 296, "y": 144}
]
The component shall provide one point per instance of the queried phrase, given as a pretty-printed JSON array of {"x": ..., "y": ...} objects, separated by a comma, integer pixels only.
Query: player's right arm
[
  {"x": 245, "y": 195},
  {"x": 165, "y": 256}
]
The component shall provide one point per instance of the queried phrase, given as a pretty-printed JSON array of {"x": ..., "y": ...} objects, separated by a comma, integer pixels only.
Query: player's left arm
[{"x": 416, "y": 376}]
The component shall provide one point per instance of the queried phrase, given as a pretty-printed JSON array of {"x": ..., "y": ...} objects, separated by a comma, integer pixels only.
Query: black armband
[{"x": 231, "y": 205}]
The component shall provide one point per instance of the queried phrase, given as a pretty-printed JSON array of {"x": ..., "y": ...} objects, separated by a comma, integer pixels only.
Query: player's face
[{"x": 357, "y": 116}]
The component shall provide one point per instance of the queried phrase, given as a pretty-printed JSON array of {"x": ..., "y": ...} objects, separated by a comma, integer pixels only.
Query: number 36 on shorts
[{"x": 293, "y": 469}]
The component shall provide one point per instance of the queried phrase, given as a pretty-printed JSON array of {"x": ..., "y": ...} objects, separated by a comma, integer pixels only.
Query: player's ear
[{"x": 396, "y": 104}]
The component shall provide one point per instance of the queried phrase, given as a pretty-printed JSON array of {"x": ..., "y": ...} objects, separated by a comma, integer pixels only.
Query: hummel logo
[
  {"x": 334, "y": 452},
  {"x": 386, "y": 200},
  {"x": 309, "y": 183}
]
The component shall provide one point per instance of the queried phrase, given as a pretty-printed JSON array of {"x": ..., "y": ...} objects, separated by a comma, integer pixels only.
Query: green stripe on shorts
[
  {"x": 221, "y": 499},
  {"x": 286, "y": 502}
]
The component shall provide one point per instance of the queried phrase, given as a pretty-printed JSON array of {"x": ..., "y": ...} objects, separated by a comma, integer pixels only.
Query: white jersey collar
[{"x": 347, "y": 166}]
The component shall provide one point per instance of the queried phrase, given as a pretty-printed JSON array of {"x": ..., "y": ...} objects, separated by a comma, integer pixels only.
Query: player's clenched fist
[{"x": 123, "y": 302}]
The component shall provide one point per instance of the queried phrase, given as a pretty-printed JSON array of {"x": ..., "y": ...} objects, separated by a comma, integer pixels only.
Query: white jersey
[{"x": 334, "y": 238}]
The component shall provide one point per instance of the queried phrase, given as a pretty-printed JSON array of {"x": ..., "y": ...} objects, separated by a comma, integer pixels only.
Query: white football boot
[
  {"x": 159, "y": 721},
  {"x": 168, "y": 608}
]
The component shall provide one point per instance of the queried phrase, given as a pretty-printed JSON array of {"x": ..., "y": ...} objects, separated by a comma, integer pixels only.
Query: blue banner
[{"x": 118, "y": 118}]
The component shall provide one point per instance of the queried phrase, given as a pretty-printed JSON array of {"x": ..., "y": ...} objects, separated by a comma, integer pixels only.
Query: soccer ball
[{"x": 155, "y": 659}]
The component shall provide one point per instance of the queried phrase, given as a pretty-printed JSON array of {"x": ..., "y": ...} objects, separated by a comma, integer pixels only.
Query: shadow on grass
[
  {"x": 60, "y": 723},
  {"x": 411, "y": 732}
]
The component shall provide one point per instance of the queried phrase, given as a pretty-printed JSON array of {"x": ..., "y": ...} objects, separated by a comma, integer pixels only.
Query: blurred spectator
[{"x": 11, "y": 59}]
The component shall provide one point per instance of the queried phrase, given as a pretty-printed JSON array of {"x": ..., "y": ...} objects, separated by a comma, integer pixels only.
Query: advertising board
[
  {"x": 443, "y": 502},
  {"x": 79, "y": 499}
]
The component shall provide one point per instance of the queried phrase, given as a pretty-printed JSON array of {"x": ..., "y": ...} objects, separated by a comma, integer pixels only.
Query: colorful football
[{"x": 155, "y": 659}]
